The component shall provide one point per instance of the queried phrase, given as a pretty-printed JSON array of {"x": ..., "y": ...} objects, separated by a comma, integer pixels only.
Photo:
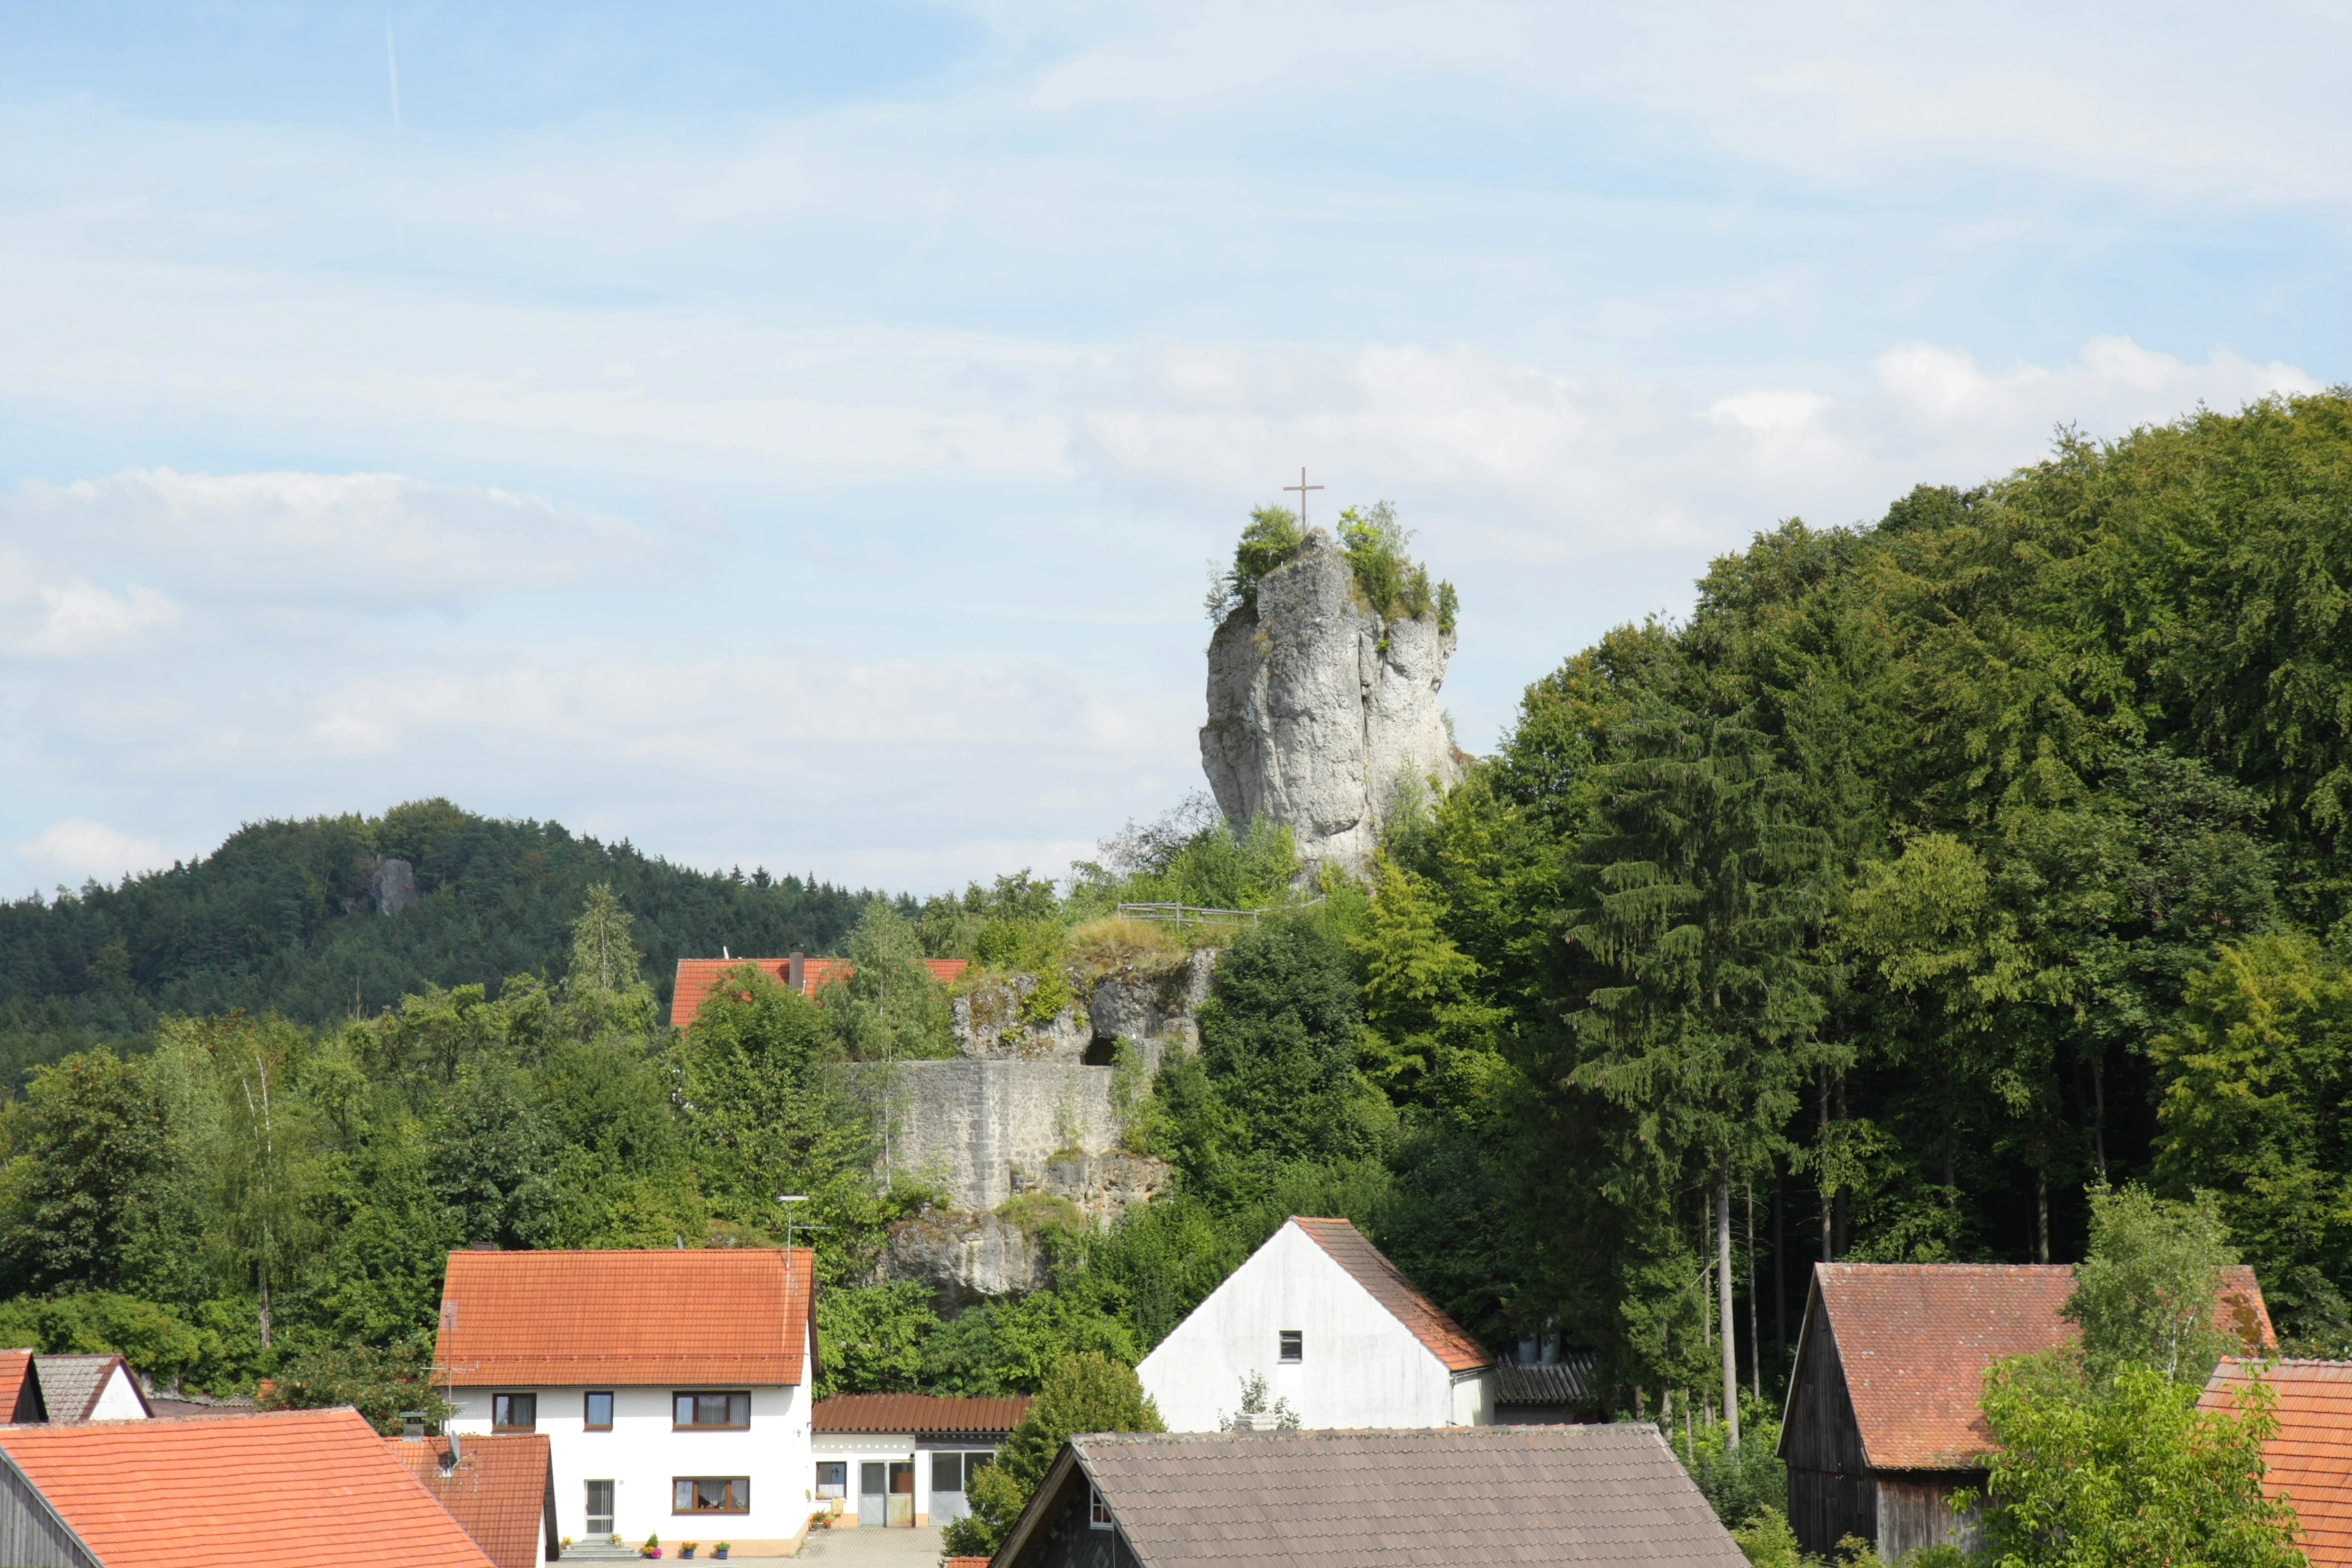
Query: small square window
[
  {"x": 833, "y": 1478},
  {"x": 1292, "y": 1346},
  {"x": 514, "y": 1412},
  {"x": 1097, "y": 1511},
  {"x": 598, "y": 1415}
]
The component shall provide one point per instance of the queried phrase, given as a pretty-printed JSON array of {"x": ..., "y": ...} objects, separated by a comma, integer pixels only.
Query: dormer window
[{"x": 1291, "y": 1346}]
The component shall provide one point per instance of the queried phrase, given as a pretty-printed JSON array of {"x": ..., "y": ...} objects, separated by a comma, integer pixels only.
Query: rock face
[
  {"x": 394, "y": 887},
  {"x": 1322, "y": 713},
  {"x": 1023, "y": 1128}
]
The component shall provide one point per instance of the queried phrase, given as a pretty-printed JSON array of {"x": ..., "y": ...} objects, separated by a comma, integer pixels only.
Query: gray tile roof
[
  {"x": 70, "y": 1384},
  {"x": 1543, "y": 1383},
  {"x": 1599, "y": 1494}
]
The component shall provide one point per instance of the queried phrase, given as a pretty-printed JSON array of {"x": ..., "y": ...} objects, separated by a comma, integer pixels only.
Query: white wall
[
  {"x": 641, "y": 1455},
  {"x": 859, "y": 1447},
  {"x": 1360, "y": 1368},
  {"x": 119, "y": 1400}
]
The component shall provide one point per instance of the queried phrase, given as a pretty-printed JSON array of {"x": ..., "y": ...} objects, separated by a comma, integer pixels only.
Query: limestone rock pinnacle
[{"x": 1322, "y": 713}]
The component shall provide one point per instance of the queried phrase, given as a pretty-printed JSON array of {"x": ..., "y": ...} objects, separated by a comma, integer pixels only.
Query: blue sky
[{"x": 796, "y": 434}]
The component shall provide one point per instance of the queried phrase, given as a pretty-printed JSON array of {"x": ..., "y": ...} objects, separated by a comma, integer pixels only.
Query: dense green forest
[
  {"x": 1928, "y": 879},
  {"x": 280, "y": 919}
]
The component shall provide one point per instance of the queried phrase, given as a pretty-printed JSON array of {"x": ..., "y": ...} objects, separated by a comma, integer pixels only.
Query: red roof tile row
[
  {"x": 1370, "y": 1268},
  {"x": 915, "y": 1412},
  {"x": 1916, "y": 1338},
  {"x": 735, "y": 1316},
  {"x": 2309, "y": 1461},
  {"x": 294, "y": 1488},
  {"x": 698, "y": 978},
  {"x": 498, "y": 1489}
]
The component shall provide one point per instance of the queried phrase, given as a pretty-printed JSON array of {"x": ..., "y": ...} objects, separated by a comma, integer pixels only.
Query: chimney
[
  {"x": 412, "y": 1424},
  {"x": 798, "y": 969},
  {"x": 1255, "y": 1421}
]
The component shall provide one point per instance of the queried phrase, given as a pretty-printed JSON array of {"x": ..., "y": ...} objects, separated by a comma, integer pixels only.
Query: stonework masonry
[{"x": 968, "y": 1126}]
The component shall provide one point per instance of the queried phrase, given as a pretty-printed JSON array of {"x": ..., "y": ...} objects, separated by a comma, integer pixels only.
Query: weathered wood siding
[
  {"x": 1915, "y": 1509},
  {"x": 30, "y": 1535},
  {"x": 1071, "y": 1542},
  {"x": 1831, "y": 1494}
]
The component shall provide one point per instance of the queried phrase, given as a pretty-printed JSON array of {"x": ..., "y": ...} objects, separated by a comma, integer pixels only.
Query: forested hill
[{"x": 279, "y": 920}]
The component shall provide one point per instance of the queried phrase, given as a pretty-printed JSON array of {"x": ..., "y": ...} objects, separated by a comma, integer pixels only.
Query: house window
[
  {"x": 710, "y": 1411},
  {"x": 710, "y": 1494},
  {"x": 833, "y": 1478},
  {"x": 600, "y": 1508},
  {"x": 514, "y": 1412},
  {"x": 597, "y": 1415},
  {"x": 1097, "y": 1511},
  {"x": 947, "y": 1472},
  {"x": 1292, "y": 1346}
]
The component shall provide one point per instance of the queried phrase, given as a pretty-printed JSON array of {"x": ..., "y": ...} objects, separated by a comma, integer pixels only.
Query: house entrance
[
  {"x": 873, "y": 1499},
  {"x": 902, "y": 1494},
  {"x": 600, "y": 1510}
]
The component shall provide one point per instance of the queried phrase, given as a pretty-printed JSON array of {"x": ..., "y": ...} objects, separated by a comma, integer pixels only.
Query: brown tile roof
[
  {"x": 1391, "y": 1288},
  {"x": 1601, "y": 1494},
  {"x": 498, "y": 1491},
  {"x": 717, "y": 1315},
  {"x": 70, "y": 1385},
  {"x": 698, "y": 978},
  {"x": 293, "y": 1488},
  {"x": 2309, "y": 1460},
  {"x": 1914, "y": 1340},
  {"x": 918, "y": 1413}
]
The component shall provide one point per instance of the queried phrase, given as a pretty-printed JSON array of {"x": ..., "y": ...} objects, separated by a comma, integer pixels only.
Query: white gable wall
[
  {"x": 119, "y": 1399},
  {"x": 1360, "y": 1367}
]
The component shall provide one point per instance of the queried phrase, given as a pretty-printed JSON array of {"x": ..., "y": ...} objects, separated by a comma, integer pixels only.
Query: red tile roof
[
  {"x": 20, "y": 1396},
  {"x": 1914, "y": 1340},
  {"x": 1373, "y": 1271},
  {"x": 918, "y": 1413},
  {"x": 2309, "y": 1461},
  {"x": 292, "y": 1489},
  {"x": 698, "y": 978},
  {"x": 498, "y": 1491},
  {"x": 717, "y": 1315}
]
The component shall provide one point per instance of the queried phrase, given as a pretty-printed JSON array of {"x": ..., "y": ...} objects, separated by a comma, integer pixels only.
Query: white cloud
[
  {"x": 81, "y": 847},
  {"x": 49, "y": 614},
  {"x": 2112, "y": 387},
  {"x": 275, "y": 534},
  {"x": 1212, "y": 48}
]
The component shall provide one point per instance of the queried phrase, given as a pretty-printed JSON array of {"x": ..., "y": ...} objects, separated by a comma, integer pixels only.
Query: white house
[
  {"x": 893, "y": 1459},
  {"x": 673, "y": 1386},
  {"x": 1341, "y": 1336}
]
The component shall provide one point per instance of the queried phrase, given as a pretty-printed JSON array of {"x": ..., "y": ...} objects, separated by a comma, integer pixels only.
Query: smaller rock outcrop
[
  {"x": 963, "y": 1258},
  {"x": 393, "y": 888}
]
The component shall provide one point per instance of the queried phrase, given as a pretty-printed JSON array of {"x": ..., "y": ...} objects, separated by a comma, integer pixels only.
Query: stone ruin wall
[{"x": 1025, "y": 1110}]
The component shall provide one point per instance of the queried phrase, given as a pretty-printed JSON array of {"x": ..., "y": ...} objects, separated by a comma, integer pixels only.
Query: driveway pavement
[{"x": 861, "y": 1547}]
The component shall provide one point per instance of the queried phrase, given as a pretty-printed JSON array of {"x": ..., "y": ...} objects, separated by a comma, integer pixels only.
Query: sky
[{"x": 797, "y": 435}]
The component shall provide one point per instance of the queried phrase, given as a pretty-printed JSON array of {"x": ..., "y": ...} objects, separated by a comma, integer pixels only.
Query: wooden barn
[{"x": 1881, "y": 1424}]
